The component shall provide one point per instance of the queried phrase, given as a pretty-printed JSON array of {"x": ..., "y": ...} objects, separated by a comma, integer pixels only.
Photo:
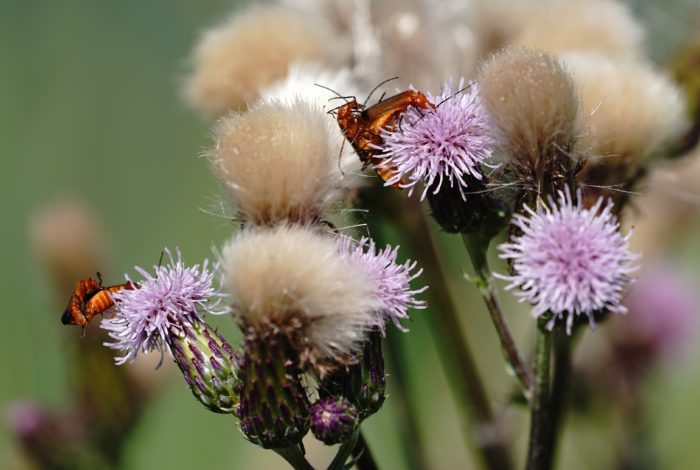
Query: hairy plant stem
[
  {"x": 363, "y": 457},
  {"x": 294, "y": 455},
  {"x": 455, "y": 355},
  {"x": 477, "y": 246},
  {"x": 539, "y": 450}
]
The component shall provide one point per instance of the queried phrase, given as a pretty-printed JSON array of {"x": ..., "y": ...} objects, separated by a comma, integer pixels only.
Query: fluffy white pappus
[
  {"x": 293, "y": 277},
  {"x": 301, "y": 84},
  {"x": 253, "y": 49},
  {"x": 629, "y": 108},
  {"x": 533, "y": 111},
  {"x": 277, "y": 162},
  {"x": 555, "y": 26},
  {"x": 67, "y": 238}
]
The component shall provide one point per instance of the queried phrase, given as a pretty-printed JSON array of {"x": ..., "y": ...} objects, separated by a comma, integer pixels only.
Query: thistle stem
[
  {"x": 411, "y": 443},
  {"x": 561, "y": 375},
  {"x": 295, "y": 457},
  {"x": 476, "y": 247},
  {"x": 465, "y": 383},
  {"x": 455, "y": 354},
  {"x": 344, "y": 451},
  {"x": 539, "y": 450},
  {"x": 363, "y": 457}
]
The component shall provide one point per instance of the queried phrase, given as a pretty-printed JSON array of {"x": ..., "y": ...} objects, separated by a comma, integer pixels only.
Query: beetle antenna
[
  {"x": 160, "y": 260},
  {"x": 376, "y": 87},
  {"x": 339, "y": 97},
  {"x": 455, "y": 94},
  {"x": 333, "y": 91},
  {"x": 99, "y": 277}
]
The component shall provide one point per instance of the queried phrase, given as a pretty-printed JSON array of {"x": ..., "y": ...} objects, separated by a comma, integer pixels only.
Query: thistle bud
[
  {"x": 333, "y": 419},
  {"x": 364, "y": 383},
  {"x": 483, "y": 212},
  {"x": 274, "y": 406},
  {"x": 208, "y": 364},
  {"x": 50, "y": 440}
]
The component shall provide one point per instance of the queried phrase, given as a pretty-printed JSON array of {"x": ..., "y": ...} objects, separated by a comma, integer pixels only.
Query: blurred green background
[{"x": 90, "y": 107}]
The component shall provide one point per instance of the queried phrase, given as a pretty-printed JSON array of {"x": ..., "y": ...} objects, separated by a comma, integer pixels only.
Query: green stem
[
  {"x": 563, "y": 345},
  {"x": 455, "y": 354},
  {"x": 539, "y": 451},
  {"x": 295, "y": 457},
  {"x": 344, "y": 451},
  {"x": 453, "y": 349},
  {"x": 363, "y": 457},
  {"x": 476, "y": 247},
  {"x": 412, "y": 445}
]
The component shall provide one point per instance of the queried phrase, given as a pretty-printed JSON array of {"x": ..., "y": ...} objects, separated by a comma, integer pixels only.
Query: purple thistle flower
[
  {"x": 663, "y": 308},
  {"x": 569, "y": 260},
  {"x": 145, "y": 316},
  {"x": 333, "y": 419},
  {"x": 449, "y": 142},
  {"x": 392, "y": 280}
]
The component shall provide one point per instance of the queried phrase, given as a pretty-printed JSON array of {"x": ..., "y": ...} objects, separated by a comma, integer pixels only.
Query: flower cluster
[{"x": 562, "y": 109}]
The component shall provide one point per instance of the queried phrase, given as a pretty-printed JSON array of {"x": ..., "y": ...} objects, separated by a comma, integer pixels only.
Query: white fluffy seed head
[
  {"x": 555, "y": 26},
  {"x": 67, "y": 239},
  {"x": 300, "y": 84},
  {"x": 533, "y": 109},
  {"x": 277, "y": 162},
  {"x": 630, "y": 109},
  {"x": 252, "y": 49},
  {"x": 293, "y": 278}
]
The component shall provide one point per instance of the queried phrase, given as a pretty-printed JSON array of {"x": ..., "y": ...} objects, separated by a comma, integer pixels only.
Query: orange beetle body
[
  {"x": 363, "y": 126},
  {"x": 90, "y": 299}
]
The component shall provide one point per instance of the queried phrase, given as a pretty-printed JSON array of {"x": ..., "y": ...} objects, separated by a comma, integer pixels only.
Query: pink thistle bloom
[
  {"x": 569, "y": 260},
  {"x": 663, "y": 307},
  {"x": 392, "y": 280},
  {"x": 449, "y": 142},
  {"x": 168, "y": 300}
]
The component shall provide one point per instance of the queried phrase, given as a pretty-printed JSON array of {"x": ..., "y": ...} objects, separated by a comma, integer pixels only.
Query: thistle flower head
[
  {"x": 301, "y": 84},
  {"x": 324, "y": 294},
  {"x": 449, "y": 142},
  {"x": 294, "y": 279},
  {"x": 390, "y": 280},
  {"x": 253, "y": 49},
  {"x": 49, "y": 440},
  {"x": 333, "y": 419},
  {"x": 144, "y": 316},
  {"x": 630, "y": 111},
  {"x": 66, "y": 237},
  {"x": 569, "y": 260},
  {"x": 278, "y": 162},
  {"x": 533, "y": 108},
  {"x": 663, "y": 316},
  {"x": 555, "y": 26}
]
